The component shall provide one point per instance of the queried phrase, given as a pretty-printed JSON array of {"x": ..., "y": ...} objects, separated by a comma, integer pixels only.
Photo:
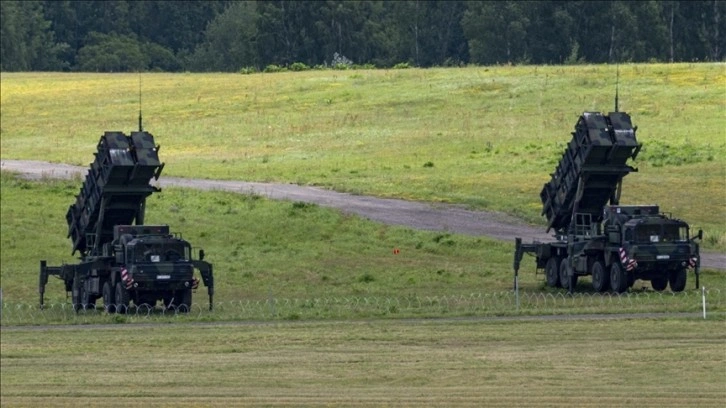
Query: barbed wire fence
[{"x": 476, "y": 304}]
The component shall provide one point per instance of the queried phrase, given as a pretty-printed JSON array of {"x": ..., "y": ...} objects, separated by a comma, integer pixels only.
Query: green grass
[
  {"x": 260, "y": 247},
  {"x": 638, "y": 363},
  {"x": 291, "y": 260},
  {"x": 487, "y": 137}
]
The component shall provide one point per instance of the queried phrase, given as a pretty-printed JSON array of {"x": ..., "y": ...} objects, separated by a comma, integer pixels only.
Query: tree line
[{"x": 209, "y": 35}]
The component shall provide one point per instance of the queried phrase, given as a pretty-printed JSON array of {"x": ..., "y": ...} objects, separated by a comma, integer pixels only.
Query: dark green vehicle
[
  {"x": 123, "y": 261},
  {"x": 596, "y": 236}
]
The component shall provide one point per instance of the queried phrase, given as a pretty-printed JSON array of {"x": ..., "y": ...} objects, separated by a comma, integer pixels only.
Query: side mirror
[
  {"x": 201, "y": 254},
  {"x": 700, "y": 234}
]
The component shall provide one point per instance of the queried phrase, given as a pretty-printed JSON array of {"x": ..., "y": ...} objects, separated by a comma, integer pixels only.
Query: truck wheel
[
  {"x": 600, "y": 279},
  {"x": 185, "y": 297},
  {"x": 89, "y": 302},
  {"x": 122, "y": 298},
  {"x": 659, "y": 284},
  {"x": 108, "y": 298},
  {"x": 677, "y": 279},
  {"x": 618, "y": 278},
  {"x": 77, "y": 294},
  {"x": 552, "y": 272},
  {"x": 568, "y": 280}
]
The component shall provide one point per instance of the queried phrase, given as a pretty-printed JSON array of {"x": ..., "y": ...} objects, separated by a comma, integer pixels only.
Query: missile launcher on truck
[
  {"x": 595, "y": 235},
  {"x": 122, "y": 260}
]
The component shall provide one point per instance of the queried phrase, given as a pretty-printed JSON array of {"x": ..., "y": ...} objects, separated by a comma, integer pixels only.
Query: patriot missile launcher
[
  {"x": 593, "y": 233},
  {"x": 122, "y": 260}
]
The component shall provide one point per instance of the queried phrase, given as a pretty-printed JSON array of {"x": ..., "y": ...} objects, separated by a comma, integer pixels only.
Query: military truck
[
  {"x": 122, "y": 260},
  {"x": 595, "y": 235}
]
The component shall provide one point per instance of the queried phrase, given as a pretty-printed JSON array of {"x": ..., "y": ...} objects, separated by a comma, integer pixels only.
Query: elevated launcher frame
[
  {"x": 115, "y": 190},
  {"x": 591, "y": 170}
]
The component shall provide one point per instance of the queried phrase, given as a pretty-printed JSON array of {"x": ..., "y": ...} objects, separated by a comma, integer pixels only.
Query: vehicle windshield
[
  {"x": 655, "y": 233},
  {"x": 161, "y": 252}
]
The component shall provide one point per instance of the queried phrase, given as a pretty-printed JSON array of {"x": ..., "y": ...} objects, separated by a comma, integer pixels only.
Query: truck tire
[
  {"x": 618, "y": 278},
  {"x": 88, "y": 300},
  {"x": 185, "y": 297},
  {"x": 568, "y": 280},
  {"x": 677, "y": 279},
  {"x": 552, "y": 272},
  {"x": 109, "y": 304},
  {"x": 600, "y": 279},
  {"x": 77, "y": 294},
  {"x": 122, "y": 298},
  {"x": 659, "y": 284}
]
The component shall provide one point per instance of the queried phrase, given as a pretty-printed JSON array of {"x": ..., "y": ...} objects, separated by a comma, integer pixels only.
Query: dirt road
[{"x": 425, "y": 216}]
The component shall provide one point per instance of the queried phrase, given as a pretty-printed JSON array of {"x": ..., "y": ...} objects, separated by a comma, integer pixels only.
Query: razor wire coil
[{"x": 281, "y": 308}]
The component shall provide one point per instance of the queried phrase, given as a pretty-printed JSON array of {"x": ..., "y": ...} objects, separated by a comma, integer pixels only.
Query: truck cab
[
  {"x": 652, "y": 246},
  {"x": 154, "y": 264}
]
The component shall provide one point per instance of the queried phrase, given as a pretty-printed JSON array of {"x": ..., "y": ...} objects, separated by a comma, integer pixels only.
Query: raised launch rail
[
  {"x": 591, "y": 169},
  {"x": 115, "y": 189}
]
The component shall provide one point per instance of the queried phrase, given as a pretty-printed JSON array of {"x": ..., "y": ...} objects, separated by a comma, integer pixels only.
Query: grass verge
[
  {"x": 289, "y": 260},
  {"x": 583, "y": 363}
]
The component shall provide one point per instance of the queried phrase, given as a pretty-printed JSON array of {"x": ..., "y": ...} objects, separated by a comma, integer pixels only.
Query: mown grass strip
[{"x": 642, "y": 362}]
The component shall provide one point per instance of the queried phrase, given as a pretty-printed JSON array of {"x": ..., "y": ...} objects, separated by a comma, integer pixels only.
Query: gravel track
[{"x": 417, "y": 215}]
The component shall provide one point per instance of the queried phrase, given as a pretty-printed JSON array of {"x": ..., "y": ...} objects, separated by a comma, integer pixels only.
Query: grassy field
[
  {"x": 261, "y": 248},
  {"x": 484, "y": 136},
  {"x": 487, "y": 137},
  {"x": 264, "y": 249},
  {"x": 638, "y": 363}
]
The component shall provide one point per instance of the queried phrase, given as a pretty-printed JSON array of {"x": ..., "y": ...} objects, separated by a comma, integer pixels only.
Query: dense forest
[{"x": 206, "y": 35}]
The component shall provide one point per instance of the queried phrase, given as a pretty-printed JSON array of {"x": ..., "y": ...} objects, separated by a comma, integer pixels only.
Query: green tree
[
  {"x": 425, "y": 33},
  {"x": 651, "y": 42},
  {"x": 229, "y": 41},
  {"x": 26, "y": 41},
  {"x": 112, "y": 53},
  {"x": 159, "y": 58},
  {"x": 623, "y": 29},
  {"x": 287, "y": 32},
  {"x": 497, "y": 31},
  {"x": 698, "y": 30},
  {"x": 384, "y": 35},
  {"x": 227, "y": 35},
  {"x": 552, "y": 33},
  {"x": 443, "y": 38},
  {"x": 160, "y": 27},
  {"x": 342, "y": 28},
  {"x": 175, "y": 25}
]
